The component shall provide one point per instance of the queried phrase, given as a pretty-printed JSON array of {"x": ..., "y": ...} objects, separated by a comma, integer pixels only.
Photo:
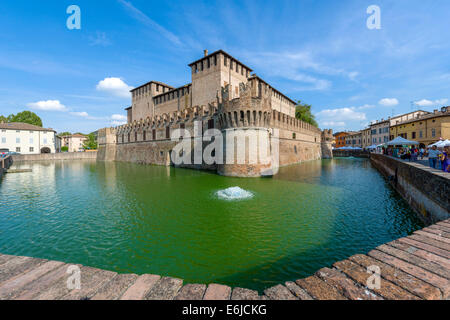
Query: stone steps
[{"x": 412, "y": 268}]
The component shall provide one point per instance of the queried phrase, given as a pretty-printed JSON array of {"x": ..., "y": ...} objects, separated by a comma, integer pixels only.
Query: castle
[{"x": 224, "y": 95}]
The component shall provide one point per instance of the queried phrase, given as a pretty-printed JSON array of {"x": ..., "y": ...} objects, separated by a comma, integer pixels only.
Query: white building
[
  {"x": 26, "y": 138},
  {"x": 74, "y": 142}
]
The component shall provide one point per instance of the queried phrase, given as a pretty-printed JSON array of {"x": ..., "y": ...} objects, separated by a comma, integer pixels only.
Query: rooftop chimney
[{"x": 205, "y": 52}]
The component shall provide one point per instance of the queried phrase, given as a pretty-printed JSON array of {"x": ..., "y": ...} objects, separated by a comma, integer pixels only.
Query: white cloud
[
  {"x": 429, "y": 103},
  {"x": 49, "y": 105},
  {"x": 80, "y": 114},
  {"x": 118, "y": 123},
  {"x": 119, "y": 117},
  {"x": 388, "y": 102},
  {"x": 115, "y": 86},
  {"x": 365, "y": 107},
  {"x": 340, "y": 114},
  {"x": 333, "y": 124}
]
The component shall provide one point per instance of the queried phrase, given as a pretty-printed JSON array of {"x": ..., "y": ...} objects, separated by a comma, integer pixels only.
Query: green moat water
[{"x": 140, "y": 219}]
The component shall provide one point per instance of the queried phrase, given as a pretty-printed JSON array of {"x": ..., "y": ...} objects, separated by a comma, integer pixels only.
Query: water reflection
[{"x": 149, "y": 219}]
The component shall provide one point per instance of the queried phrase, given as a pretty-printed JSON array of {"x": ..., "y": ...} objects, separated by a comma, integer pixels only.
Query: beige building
[
  {"x": 353, "y": 139},
  {"x": 366, "y": 136},
  {"x": 26, "y": 138},
  {"x": 379, "y": 131},
  {"x": 425, "y": 129},
  {"x": 74, "y": 142},
  {"x": 209, "y": 74}
]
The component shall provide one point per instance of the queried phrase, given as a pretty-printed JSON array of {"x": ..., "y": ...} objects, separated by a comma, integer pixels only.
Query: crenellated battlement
[{"x": 149, "y": 140}]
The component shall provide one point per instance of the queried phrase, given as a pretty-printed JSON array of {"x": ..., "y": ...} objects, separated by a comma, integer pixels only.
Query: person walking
[
  {"x": 445, "y": 160},
  {"x": 433, "y": 154},
  {"x": 422, "y": 153}
]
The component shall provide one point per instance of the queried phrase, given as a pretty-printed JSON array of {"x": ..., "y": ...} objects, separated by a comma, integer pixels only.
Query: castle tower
[
  {"x": 245, "y": 123},
  {"x": 327, "y": 144}
]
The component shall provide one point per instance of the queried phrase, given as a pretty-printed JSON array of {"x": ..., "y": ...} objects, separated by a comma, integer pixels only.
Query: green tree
[
  {"x": 66, "y": 133},
  {"x": 26, "y": 117},
  {"x": 3, "y": 119},
  {"x": 90, "y": 143},
  {"x": 303, "y": 112}
]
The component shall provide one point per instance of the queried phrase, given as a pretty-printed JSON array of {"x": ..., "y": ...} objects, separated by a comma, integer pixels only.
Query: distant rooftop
[{"x": 23, "y": 126}]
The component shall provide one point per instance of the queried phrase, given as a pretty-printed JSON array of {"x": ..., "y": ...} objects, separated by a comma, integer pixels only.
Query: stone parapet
[{"x": 427, "y": 190}]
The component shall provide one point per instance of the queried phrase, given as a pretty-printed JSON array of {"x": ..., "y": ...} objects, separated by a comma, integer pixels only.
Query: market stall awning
[
  {"x": 399, "y": 141},
  {"x": 441, "y": 144}
]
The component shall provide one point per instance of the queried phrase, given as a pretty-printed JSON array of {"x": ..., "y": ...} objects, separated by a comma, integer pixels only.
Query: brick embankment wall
[
  {"x": 56, "y": 156},
  {"x": 426, "y": 190}
]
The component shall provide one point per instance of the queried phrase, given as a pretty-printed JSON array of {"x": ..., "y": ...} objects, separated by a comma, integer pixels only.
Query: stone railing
[{"x": 427, "y": 190}]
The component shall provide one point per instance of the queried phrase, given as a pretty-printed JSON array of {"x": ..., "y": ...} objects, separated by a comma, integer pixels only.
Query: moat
[{"x": 140, "y": 219}]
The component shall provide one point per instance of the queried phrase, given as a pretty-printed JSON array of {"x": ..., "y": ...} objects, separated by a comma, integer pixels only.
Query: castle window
[
  {"x": 167, "y": 132},
  {"x": 237, "y": 67},
  {"x": 293, "y": 135},
  {"x": 242, "y": 71},
  {"x": 231, "y": 64},
  {"x": 215, "y": 60},
  {"x": 225, "y": 61},
  {"x": 211, "y": 124},
  {"x": 135, "y": 136},
  {"x": 123, "y": 138},
  {"x": 208, "y": 64},
  {"x": 154, "y": 134},
  {"x": 201, "y": 65},
  {"x": 128, "y": 137}
]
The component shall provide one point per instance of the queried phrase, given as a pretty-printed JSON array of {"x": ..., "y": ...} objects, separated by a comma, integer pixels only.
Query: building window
[
  {"x": 293, "y": 135},
  {"x": 17, "y": 149},
  {"x": 3, "y": 140},
  {"x": 420, "y": 134},
  {"x": 128, "y": 137},
  {"x": 208, "y": 64},
  {"x": 143, "y": 135},
  {"x": 211, "y": 124},
  {"x": 433, "y": 133},
  {"x": 31, "y": 149},
  {"x": 31, "y": 141},
  {"x": 154, "y": 134},
  {"x": 167, "y": 132},
  {"x": 413, "y": 135},
  {"x": 225, "y": 61},
  {"x": 17, "y": 140},
  {"x": 45, "y": 140},
  {"x": 135, "y": 136}
]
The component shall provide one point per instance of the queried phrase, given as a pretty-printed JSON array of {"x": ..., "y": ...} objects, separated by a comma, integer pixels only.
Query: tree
[
  {"x": 25, "y": 117},
  {"x": 3, "y": 119},
  {"x": 90, "y": 143},
  {"x": 66, "y": 133},
  {"x": 303, "y": 112},
  {"x": 64, "y": 149}
]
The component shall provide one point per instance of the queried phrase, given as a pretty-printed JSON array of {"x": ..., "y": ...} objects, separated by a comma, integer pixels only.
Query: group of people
[{"x": 437, "y": 159}]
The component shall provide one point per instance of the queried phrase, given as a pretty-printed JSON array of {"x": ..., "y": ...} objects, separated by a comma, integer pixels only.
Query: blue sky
[{"x": 320, "y": 52}]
